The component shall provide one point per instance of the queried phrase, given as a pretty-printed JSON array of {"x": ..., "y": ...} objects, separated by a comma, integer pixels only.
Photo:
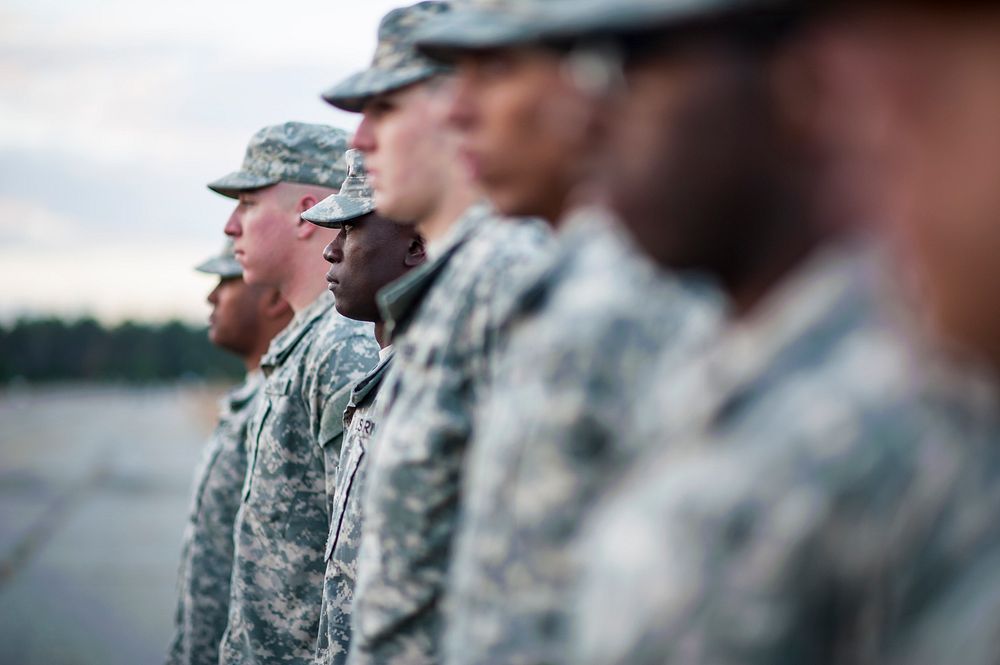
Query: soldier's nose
[{"x": 233, "y": 227}]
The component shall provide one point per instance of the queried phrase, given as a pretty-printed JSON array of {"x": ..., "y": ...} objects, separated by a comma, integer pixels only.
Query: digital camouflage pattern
[
  {"x": 356, "y": 197},
  {"x": 490, "y": 24},
  {"x": 487, "y": 24},
  {"x": 582, "y": 341},
  {"x": 396, "y": 63},
  {"x": 587, "y": 18},
  {"x": 207, "y": 550},
  {"x": 281, "y": 528},
  {"x": 360, "y": 424},
  {"x": 816, "y": 488},
  {"x": 444, "y": 318},
  {"x": 293, "y": 152},
  {"x": 223, "y": 264},
  {"x": 962, "y": 625}
]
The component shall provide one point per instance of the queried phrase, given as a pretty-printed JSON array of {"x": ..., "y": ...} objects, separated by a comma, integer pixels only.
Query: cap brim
[
  {"x": 240, "y": 181},
  {"x": 334, "y": 210},
  {"x": 598, "y": 18},
  {"x": 352, "y": 93},
  {"x": 222, "y": 267},
  {"x": 476, "y": 30}
]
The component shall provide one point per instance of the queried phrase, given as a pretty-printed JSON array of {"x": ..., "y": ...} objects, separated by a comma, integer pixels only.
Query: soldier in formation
[
  {"x": 700, "y": 366},
  {"x": 244, "y": 320}
]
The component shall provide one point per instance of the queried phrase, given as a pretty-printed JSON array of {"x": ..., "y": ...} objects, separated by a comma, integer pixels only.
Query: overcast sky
[{"x": 113, "y": 116}]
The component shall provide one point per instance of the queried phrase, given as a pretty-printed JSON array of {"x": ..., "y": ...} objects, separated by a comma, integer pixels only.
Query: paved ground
[{"x": 94, "y": 486}]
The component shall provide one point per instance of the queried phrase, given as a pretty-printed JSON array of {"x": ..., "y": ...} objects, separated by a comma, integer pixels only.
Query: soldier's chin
[
  {"x": 252, "y": 277},
  {"x": 345, "y": 309}
]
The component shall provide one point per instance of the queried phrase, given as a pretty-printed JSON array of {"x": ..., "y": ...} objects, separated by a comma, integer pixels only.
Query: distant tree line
[{"x": 51, "y": 349}]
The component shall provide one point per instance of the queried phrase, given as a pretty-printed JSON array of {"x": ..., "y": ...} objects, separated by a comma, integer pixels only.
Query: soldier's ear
[
  {"x": 305, "y": 230},
  {"x": 416, "y": 253}
]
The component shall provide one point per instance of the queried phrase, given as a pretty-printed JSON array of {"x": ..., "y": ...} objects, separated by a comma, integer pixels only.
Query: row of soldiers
[{"x": 660, "y": 332}]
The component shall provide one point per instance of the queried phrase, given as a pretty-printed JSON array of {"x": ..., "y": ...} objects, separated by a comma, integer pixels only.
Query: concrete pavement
[{"x": 94, "y": 488}]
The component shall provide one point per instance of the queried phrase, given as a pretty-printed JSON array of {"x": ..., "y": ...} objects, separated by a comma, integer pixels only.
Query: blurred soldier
[
  {"x": 924, "y": 103},
  {"x": 368, "y": 253},
  {"x": 443, "y": 320},
  {"x": 582, "y": 339},
  {"x": 930, "y": 108},
  {"x": 283, "y": 522},
  {"x": 523, "y": 107},
  {"x": 814, "y": 484},
  {"x": 244, "y": 319}
]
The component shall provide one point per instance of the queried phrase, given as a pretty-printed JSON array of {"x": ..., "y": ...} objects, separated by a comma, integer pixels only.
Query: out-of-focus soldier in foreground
[
  {"x": 926, "y": 103},
  {"x": 368, "y": 253},
  {"x": 295, "y": 435},
  {"x": 824, "y": 471},
  {"x": 581, "y": 340},
  {"x": 442, "y": 319},
  {"x": 244, "y": 319}
]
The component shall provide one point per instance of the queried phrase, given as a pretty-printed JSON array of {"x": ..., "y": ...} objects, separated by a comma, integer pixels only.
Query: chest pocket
[{"x": 275, "y": 395}]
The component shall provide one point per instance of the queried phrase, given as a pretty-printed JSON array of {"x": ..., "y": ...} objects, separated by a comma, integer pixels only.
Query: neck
[
  {"x": 252, "y": 362},
  {"x": 380, "y": 334},
  {"x": 305, "y": 283},
  {"x": 458, "y": 196},
  {"x": 771, "y": 266}
]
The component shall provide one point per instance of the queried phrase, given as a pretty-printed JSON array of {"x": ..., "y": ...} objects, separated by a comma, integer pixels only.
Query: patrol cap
[
  {"x": 599, "y": 18},
  {"x": 293, "y": 152},
  {"x": 355, "y": 199},
  {"x": 487, "y": 24},
  {"x": 396, "y": 63},
  {"x": 223, "y": 264}
]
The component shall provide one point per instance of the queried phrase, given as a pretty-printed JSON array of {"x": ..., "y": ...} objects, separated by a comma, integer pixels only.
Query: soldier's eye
[{"x": 382, "y": 106}]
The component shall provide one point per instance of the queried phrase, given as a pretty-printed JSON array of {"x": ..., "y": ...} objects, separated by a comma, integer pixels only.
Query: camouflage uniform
[
  {"x": 581, "y": 343},
  {"x": 443, "y": 318},
  {"x": 282, "y": 525},
  {"x": 294, "y": 435},
  {"x": 360, "y": 424},
  {"x": 207, "y": 550},
  {"x": 354, "y": 200},
  {"x": 814, "y": 491}
]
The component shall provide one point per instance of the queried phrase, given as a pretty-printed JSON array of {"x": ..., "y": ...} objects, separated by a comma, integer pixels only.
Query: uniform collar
[
  {"x": 398, "y": 301},
  {"x": 371, "y": 381},
  {"x": 835, "y": 291},
  {"x": 286, "y": 341}
]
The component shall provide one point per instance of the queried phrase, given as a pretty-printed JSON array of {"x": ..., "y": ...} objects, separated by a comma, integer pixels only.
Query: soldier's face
[
  {"x": 524, "y": 127},
  {"x": 263, "y": 228},
  {"x": 232, "y": 325},
  {"x": 687, "y": 157},
  {"x": 938, "y": 76},
  {"x": 403, "y": 138},
  {"x": 365, "y": 256}
]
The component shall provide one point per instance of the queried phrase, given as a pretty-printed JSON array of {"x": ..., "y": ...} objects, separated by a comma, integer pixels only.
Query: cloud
[
  {"x": 27, "y": 223},
  {"x": 126, "y": 80},
  {"x": 115, "y": 113}
]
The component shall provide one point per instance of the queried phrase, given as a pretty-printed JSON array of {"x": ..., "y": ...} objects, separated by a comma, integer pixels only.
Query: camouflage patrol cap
[
  {"x": 355, "y": 199},
  {"x": 597, "y": 17},
  {"x": 293, "y": 152},
  {"x": 396, "y": 63},
  {"x": 223, "y": 264},
  {"x": 487, "y": 24}
]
